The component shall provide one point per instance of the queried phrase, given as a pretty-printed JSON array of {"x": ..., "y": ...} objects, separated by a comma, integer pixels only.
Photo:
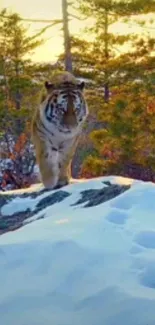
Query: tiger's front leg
[
  {"x": 48, "y": 164},
  {"x": 65, "y": 159},
  {"x": 64, "y": 174}
]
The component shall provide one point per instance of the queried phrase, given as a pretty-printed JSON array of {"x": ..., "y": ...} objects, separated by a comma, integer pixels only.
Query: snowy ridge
[
  {"x": 20, "y": 207},
  {"x": 84, "y": 257}
]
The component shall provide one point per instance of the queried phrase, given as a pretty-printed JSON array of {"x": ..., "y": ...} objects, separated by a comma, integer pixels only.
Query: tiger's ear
[
  {"x": 48, "y": 85},
  {"x": 81, "y": 85}
]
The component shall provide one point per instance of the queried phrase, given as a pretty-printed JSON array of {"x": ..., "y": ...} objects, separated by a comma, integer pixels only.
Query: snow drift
[{"x": 82, "y": 255}]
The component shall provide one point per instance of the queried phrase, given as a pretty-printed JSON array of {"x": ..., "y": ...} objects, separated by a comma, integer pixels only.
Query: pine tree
[
  {"x": 14, "y": 46},
  {"x": 107, "y": 44},
  {"x": 126, "y": 144}
]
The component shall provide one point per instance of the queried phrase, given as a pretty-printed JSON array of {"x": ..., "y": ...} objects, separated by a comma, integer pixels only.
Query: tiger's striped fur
[{"x": 56, "y": 127}]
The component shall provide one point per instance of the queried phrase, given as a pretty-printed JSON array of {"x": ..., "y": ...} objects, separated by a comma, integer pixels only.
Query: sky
[
  {"x": 45, "y": 9},
  {"x": 51, "y": 9}
]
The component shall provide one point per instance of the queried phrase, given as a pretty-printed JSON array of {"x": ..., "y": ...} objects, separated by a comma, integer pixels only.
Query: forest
[{"x": 119, "y": 73}]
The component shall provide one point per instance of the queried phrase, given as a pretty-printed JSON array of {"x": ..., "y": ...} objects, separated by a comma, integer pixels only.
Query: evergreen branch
[
  {"x": 55, "y": 21},
  {"x": 78, "y": 18},
  {"x": 43, "y": 30}
]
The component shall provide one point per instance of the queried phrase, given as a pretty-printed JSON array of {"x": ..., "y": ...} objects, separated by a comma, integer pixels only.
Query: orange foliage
[
  {"x": 151, "y": 107},
  {"x": 20, "y": 143}
]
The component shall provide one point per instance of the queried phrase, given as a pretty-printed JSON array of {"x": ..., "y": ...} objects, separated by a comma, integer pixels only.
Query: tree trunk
[
  {"x": 17, "y": 99},
  {"x": 17, "y": 92},
  {"x": 106, "y": 53},
  {"x": 67, "y": 45},
  {"x": 6, "y": 86}
]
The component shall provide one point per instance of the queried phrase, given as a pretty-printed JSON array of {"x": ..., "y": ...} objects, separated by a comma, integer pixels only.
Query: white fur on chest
[{"x": 57, "y": 135}]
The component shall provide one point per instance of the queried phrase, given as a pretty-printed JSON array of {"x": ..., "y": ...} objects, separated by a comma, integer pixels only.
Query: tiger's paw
[
  {"x": 61, "y": 183},
  {"x": 50, "y": 183}
]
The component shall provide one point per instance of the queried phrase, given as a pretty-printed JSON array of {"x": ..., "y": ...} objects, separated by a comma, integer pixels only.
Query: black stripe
[
  {"x": 40, "y": 130},
  {"x": 51, "y": 133},
  {"x": 54, "y": 149},
  {"x": 48, "y": 109},
  {"x": 50, "y": 141}
]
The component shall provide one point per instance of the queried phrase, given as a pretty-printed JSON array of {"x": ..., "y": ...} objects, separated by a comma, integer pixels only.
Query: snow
[
  {"x": 86, "y": 80},
  {"x": 82, "y": 266}
]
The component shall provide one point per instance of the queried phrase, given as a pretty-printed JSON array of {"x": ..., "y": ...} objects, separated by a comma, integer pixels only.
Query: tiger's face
[{"x": 64, "y": 106}]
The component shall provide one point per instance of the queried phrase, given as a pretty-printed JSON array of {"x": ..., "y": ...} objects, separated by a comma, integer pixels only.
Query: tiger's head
[{"x": 64, "y": 105}]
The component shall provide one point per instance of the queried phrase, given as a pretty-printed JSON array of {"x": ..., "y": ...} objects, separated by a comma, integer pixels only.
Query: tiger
[{"x": 56, "y": 127}]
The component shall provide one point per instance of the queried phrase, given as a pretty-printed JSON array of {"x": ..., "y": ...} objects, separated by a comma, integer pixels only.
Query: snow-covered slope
[{"x": 85, "y": 255}]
